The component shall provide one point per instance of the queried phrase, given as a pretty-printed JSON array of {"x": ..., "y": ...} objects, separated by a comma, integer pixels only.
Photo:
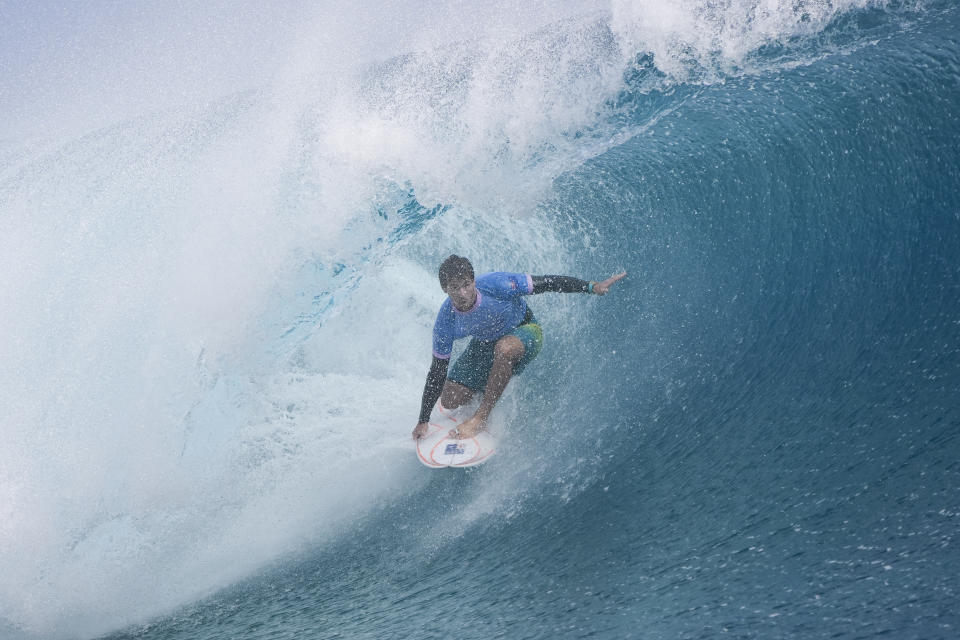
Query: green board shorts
[{"x": 472, "y": 368}]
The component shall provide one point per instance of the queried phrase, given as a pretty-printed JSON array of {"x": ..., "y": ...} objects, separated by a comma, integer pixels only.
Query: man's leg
[{"x": 508, "y": 352}]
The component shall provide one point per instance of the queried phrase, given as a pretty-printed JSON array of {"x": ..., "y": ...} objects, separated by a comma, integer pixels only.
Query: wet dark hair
[{"x": 454, "y": 268}]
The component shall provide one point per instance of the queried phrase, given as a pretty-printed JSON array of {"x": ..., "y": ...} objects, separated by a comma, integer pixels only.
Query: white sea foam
[{"x": 705, "y": 40}]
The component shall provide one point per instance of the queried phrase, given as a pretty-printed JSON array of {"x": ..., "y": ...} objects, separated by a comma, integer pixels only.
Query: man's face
[{"x": 463, "y": 293}]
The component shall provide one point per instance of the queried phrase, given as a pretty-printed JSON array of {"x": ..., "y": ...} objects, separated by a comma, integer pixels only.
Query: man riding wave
[{"x": 505, "y": 336}]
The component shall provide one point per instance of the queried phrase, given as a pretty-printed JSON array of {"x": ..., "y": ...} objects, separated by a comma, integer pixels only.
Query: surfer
[{"x": 505, "y": 336}]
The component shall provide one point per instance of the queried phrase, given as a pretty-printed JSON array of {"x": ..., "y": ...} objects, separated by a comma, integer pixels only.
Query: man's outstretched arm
[
  {"x": 559, "y": 284},
  {"x": 431, "y": 392},
  {"x": 568, "y": 284}
]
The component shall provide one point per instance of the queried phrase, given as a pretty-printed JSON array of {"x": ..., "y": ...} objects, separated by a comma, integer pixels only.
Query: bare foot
[{"x": 468, "y": 428}]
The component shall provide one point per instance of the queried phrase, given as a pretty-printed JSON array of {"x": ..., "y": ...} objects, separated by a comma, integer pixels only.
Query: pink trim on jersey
[
  {"x": 529, "y": 283},
  {"x": 437, "y": 355}
]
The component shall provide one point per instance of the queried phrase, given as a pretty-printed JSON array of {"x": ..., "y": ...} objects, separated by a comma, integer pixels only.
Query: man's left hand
[{"x": 601, "y": 288}]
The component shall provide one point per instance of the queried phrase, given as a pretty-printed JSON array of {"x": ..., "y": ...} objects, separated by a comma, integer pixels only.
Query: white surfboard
[{"x": 437, "y": 449}]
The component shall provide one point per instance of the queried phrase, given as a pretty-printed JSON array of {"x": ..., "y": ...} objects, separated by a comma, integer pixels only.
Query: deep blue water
[{"x": 757, "y": 435}]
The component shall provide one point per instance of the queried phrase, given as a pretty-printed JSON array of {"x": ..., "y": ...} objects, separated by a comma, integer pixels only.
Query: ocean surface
[{"x": 219, "y": 232}]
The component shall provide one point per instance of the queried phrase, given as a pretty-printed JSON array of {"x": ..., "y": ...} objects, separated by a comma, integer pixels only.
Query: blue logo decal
[{"x": 454, "y": 449}]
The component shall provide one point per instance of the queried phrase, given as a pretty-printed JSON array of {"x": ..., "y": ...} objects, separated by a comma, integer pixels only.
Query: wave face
[{"x": 217, "y": 304}]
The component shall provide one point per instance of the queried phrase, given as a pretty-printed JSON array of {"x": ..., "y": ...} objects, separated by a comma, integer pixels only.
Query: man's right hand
[{"x": 420, "y": 430}]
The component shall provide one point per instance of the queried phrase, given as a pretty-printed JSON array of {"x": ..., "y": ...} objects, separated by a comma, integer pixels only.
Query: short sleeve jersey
[{"x": 499, "y": 309}]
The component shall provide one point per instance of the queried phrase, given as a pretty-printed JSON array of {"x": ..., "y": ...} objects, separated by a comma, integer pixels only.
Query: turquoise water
[{"x": 219, "y": 320}]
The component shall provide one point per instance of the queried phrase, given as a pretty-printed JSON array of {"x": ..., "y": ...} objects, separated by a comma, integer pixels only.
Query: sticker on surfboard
[{"x": 437, "y": 449}]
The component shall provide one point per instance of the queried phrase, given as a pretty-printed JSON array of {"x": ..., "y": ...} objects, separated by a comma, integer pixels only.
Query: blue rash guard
[{"x": 500, "y": 307}]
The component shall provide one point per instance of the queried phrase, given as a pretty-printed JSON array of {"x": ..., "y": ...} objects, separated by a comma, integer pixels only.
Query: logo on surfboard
[{"x": 454, "y": 449}]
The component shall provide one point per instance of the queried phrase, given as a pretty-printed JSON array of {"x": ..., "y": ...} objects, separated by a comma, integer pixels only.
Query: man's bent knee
[
  {"x": 455, "y": 394},
  {"x": 509, "y": 347}
]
